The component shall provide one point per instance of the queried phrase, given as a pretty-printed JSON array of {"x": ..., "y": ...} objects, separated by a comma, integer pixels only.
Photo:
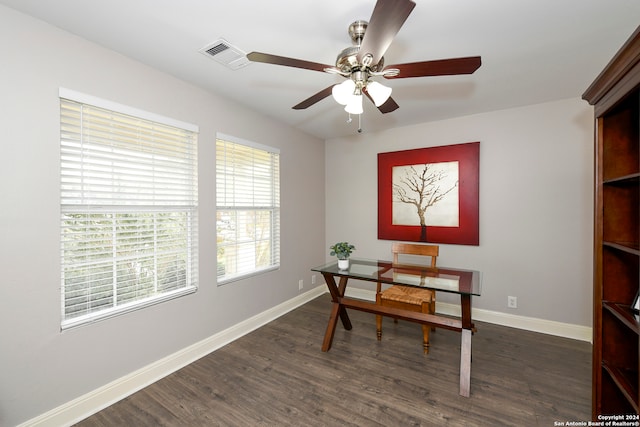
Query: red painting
[{"x": 430, "y": 194}]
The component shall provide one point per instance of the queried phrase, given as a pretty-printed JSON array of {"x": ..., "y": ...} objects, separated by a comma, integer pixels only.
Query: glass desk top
[{"x": 454, "y": 280}]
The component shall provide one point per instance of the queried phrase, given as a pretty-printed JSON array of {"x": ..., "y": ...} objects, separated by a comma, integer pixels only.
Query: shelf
[
  {"x": 628, "y": 247},
  {"x": 624, "y": 380},
  {"x": 620, "y": 133},
  {"x": 624, "y": 314},
  {"x": 632, "y": 179},
  {"x": 619, "y": 274},
  {"x": 621, "y": 210}
]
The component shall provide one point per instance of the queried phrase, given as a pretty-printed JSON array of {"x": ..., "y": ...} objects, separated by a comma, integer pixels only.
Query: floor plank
[{"x": 278, "y": 376}]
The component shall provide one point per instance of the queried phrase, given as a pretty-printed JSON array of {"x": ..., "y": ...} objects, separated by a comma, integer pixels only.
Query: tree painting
[{"x": 426, "y": 195}]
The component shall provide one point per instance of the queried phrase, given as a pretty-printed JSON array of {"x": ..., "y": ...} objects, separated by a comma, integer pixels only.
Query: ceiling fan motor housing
[{"x": 347, "y": 60}]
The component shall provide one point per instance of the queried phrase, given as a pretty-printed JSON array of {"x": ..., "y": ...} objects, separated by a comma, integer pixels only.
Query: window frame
[
  {"x": 275, "y": 208},
  {"x": 154, "y": 211}
]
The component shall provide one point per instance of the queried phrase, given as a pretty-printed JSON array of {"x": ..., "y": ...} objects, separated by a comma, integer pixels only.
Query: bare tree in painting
[{"x": 422, "y": 190}]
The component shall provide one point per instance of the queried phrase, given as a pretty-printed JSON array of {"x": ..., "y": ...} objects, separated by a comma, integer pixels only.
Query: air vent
[{"x": 226, "y": 54}]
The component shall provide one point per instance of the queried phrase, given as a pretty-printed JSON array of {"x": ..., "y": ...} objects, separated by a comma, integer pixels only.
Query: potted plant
[{"x": 342, "y": 250}]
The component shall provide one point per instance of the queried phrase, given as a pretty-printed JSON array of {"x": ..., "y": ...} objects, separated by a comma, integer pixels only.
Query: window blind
[
  {"x": 128, "y": 211},
  {"x": 248, "y": 208}
]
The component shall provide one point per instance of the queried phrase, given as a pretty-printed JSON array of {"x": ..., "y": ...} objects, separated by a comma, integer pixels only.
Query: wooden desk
[{"x": 463, "y": 282}]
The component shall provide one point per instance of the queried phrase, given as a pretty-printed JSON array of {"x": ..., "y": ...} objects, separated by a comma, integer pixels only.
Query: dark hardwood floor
[{"x": 278, "y": 376}]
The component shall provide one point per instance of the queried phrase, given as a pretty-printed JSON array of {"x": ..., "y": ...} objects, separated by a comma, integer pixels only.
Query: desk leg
[
  {"x": 465, "y": 363},
  {"x": 337, "y": 310},
  {"x": 344, "y": 317},
  {"x": 465, "y": 345},
  {"x": 465, "y": 306},
  {"x": 331, "y": 327}
]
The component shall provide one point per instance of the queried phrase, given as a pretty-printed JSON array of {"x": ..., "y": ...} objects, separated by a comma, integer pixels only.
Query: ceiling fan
[{"x": 364, "y": 60}]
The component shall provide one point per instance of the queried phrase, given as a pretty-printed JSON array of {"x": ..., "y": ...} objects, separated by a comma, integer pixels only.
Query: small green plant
[{"x": 342, "y": 250}]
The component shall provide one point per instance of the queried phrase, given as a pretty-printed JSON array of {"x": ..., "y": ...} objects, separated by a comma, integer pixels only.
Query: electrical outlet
[
  {"x": 512, "y": 302},
  {"x": 313, "y": 279},
  {"x": 300, "y": 284}
]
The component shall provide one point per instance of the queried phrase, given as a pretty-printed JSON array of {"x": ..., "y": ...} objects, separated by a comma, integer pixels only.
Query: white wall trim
[
  {"x": 96, "y": 400},
  {"x": 549, "y": 327}
]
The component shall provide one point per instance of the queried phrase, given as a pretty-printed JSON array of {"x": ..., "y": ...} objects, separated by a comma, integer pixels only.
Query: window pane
[{"x": 248, "y": 209}]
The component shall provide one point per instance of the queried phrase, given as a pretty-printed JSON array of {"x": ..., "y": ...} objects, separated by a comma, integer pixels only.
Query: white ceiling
[{"x": 532, "y": 50}]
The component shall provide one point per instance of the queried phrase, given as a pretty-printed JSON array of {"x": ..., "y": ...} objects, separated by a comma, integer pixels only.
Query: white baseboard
[
  {"x": 92, "y": 402},
  {"x": 549, "y": 327}
]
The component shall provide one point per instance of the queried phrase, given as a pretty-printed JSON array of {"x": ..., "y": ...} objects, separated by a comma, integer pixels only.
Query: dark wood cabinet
[{"x": 615, "y": 95}]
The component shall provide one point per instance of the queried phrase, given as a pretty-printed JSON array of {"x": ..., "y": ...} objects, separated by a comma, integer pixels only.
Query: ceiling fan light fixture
[
  {"x": 343, "y": 92},
  {"x": 354, "y": 106},
  {"x": 379, "y": 93}
]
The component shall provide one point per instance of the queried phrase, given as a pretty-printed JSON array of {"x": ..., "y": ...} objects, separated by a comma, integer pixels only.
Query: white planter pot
[{"x": 343, "y": 264}]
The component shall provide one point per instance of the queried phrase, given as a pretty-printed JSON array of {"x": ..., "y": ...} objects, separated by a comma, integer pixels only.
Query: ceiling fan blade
[
  {"x": 388, "y": 106},
  {"x": 440, "y": 67},
  {"x": 313, "y": 99},
  {"x": 287, "y": 62},
  {"x": 386, "y": 20}
]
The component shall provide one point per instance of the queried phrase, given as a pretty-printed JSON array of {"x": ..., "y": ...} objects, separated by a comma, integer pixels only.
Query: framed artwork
[{"x": 430, "y": 194}]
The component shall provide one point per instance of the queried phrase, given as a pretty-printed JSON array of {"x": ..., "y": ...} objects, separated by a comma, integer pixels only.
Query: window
[
  {"x": 247, "y": 208},
  {"x": 129, "y": 202}
]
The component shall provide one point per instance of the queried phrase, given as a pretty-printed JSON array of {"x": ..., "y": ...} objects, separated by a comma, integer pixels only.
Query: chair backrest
[{"x": 415, "y": 249}]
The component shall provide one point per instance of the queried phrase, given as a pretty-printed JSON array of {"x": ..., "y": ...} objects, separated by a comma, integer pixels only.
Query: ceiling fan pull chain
[{"x": 359, "y": 123}]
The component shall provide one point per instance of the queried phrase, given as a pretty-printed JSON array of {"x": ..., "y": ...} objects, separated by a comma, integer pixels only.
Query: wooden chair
[{"x": 409, "y": 298}]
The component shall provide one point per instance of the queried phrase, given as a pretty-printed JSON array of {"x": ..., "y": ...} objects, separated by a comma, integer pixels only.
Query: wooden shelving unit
[{"x": 615, "y": 95}]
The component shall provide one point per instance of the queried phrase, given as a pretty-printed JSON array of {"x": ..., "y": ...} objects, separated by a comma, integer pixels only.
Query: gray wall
[
  {"x": 536, "y": 204},
  {"x": 42, "y": 368}
]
